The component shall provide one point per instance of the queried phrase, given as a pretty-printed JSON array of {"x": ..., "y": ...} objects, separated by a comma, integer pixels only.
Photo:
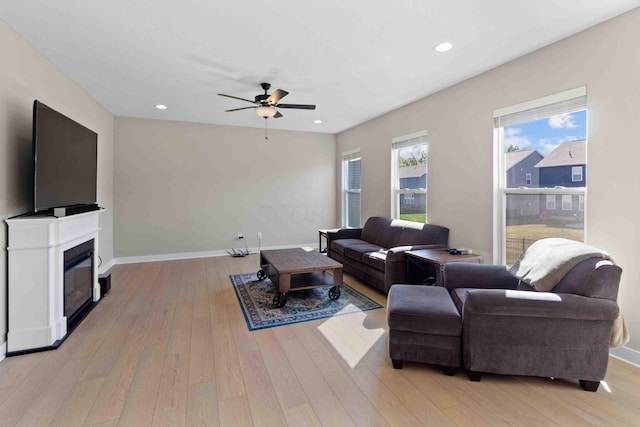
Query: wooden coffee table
[{"x": 299, "y": 268}]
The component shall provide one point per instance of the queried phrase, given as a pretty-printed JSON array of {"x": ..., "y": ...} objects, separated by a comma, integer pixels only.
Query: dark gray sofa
[{"x": 375, "y": 253}]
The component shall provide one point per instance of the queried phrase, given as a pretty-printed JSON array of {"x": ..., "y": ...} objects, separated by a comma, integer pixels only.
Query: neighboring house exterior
[
  {"x": 521, "y": 168},
  {"x": 564, "y": 167},
  {"x": 413, "y": 177},
  {"x": 522, "y": 172}
]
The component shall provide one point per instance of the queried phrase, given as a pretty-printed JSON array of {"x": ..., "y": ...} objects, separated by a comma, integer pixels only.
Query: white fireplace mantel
[{"x": 36, "y": 246}]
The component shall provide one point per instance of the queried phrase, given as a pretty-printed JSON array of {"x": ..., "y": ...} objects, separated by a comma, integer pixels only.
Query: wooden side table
[{"x": 423, "y": 261}]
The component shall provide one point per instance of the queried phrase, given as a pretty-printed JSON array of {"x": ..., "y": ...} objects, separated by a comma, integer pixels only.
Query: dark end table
[{"x": 425, "y": 263}]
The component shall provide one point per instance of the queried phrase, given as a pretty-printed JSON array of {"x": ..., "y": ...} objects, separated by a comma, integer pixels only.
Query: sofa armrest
[
  {"x": 395, "y": 266},
  {"x": 399, "y": 252},
  {"x": 344, "y": 233},
  {"x": 482, "y": 276},
  {"x": 531, "y": 304},
  {"x": 341, "y": 233}
]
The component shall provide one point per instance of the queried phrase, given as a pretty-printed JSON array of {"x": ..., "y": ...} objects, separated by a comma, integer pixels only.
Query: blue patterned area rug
[{"x": 256, "y": 299}]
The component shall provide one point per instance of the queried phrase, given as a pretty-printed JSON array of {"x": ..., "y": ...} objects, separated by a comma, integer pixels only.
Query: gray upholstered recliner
[{"x": 510, "y": 328}]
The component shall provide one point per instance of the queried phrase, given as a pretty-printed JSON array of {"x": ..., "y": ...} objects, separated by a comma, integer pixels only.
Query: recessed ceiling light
[
  {"x": 317, "y": 121},
  {"x": 443, "y": 47},
  {"x": 161, "y": 107}
]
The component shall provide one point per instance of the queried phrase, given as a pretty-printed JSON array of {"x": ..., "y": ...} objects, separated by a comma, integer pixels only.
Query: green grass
[
  {"x": 540, "y": 231},
  {"x": 418, "y": 217}
]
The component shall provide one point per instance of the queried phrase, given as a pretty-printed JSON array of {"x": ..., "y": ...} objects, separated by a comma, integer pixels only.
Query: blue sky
[{"x": 545, "y": 134}]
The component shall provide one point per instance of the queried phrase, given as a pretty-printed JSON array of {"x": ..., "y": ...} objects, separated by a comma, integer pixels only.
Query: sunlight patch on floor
[{"x": 350, "y": 336}]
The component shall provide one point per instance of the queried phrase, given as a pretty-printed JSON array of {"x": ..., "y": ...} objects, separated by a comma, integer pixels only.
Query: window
[
  {"x": 546, "y": 138},
  {"x": 576, "y": 173},
  {"x": 351, "y": 189},
  {"x": 409, "y": 157}
]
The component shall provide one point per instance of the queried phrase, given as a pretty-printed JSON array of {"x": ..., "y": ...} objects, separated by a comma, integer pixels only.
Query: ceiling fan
[{"x": 265, "y": 104}]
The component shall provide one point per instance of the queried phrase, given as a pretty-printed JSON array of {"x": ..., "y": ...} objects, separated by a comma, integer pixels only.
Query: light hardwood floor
[{"x": 169, "y": 346}]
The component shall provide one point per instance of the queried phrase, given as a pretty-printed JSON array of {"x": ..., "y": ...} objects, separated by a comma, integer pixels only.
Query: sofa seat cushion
[
  {"x": 338, "y": 246},
  {"x": 422, "y": 309},
  {"x": 356, "y": 252},
  {"x": 375, "y": 259}
]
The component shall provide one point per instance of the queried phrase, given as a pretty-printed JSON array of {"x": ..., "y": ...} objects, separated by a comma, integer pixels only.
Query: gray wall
[
  {"x": 26, "y": 75},
  {"x": 185, "y": 187},
  {"x": 606, "y": 58}
]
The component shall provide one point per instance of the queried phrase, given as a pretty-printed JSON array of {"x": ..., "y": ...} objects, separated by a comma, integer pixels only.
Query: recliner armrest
[
  {"x": 507, "y": 302},
  {"x": 481, "y": 276}
]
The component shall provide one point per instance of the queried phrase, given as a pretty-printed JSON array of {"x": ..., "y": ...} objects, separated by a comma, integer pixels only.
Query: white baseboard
[
  {"x": 626, "y": 354},
  {"x": 3, "y": 351},
  {"x": 106, "y": 267},
  {"x": 192, "y": 255}
]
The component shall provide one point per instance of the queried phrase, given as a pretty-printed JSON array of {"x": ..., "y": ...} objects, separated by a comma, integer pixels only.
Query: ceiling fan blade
[
  {"x": 276, "y": 96},
  {"x": 238, "y": 109},
  {"x": 298, "y": 106},
  {"x": 278, "y": 115},
  {"x": 235, "y": 97}
]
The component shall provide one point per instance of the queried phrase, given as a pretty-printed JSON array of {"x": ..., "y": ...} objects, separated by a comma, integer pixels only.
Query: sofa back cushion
[
  {"x": 372, "y": 228},
  {"x": 415, "y": 233},
  {"x": 593, "y": 277},
  {"x": 388, "y": 233},
  {"x": 388, "y": 236}
]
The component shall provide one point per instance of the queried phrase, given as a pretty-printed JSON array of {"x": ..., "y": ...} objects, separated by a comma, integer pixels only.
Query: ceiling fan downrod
[{"x": 266, "y": 128}]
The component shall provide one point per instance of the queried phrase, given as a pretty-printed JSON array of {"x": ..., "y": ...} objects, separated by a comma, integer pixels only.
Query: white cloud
[
  {"x": 511, "y": 131},
  {"x": 545, "y": 146},
  {"x": 562, "y": 121},
  {"x": 511, "y": 137}
]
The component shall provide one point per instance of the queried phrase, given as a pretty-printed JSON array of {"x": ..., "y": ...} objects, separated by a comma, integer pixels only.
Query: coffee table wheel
[
  {"x": 261, "y": 274},
  {"x": 279, "y": 300},
  {"x": 334, "y": 293}
]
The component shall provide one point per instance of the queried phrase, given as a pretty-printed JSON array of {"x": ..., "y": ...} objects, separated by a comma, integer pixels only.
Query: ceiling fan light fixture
[{"x": 266, "y": 111}]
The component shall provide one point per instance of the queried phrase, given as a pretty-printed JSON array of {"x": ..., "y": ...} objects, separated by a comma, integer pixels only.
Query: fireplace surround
[{"x": 42, "y": 251}]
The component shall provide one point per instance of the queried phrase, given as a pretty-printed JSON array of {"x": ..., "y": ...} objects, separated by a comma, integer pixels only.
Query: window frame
[
  {"x": 574, "y": 174},
  {"x": 563, "y": 102},
  {"x": 410, "y": 140},
  {"x": 350, "y": 156}
]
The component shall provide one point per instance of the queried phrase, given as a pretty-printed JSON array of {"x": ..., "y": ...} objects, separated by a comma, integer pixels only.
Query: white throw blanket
[{"x": 547, "y": 261}]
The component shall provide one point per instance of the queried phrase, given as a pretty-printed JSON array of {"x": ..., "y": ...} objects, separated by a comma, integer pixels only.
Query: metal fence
[{"x": 515, "y": 248}]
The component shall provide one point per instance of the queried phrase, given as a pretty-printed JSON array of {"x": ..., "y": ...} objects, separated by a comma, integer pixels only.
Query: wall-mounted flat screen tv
[{"x": 65, "y": 161}]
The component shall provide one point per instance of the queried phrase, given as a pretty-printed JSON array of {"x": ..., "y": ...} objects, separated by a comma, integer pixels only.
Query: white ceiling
[{"x": 354, "y": 59}]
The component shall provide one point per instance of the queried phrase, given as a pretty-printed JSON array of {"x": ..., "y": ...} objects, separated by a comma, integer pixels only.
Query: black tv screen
[{"x": 65, "y": 160}]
